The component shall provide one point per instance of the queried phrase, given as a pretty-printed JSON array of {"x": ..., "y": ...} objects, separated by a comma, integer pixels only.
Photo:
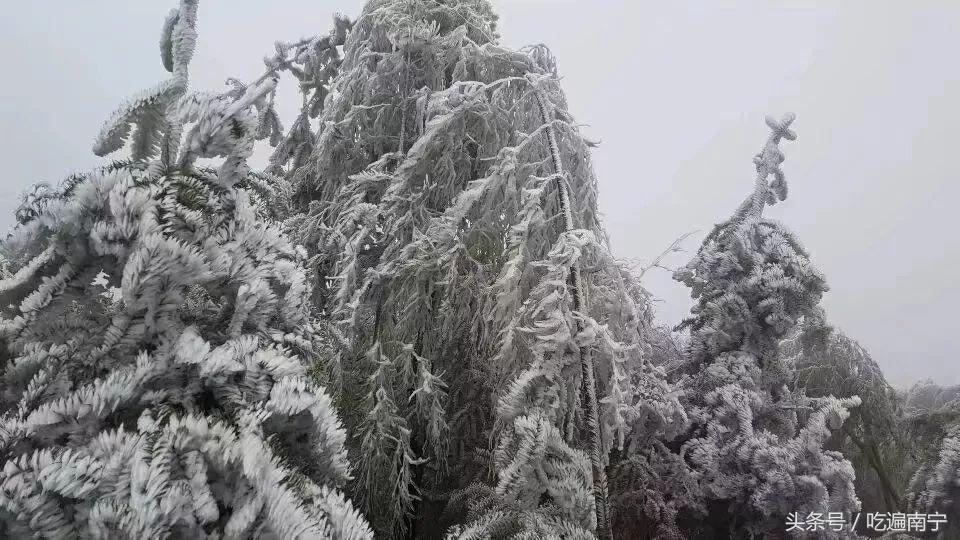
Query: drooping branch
[{"x": 588, "y": 382}]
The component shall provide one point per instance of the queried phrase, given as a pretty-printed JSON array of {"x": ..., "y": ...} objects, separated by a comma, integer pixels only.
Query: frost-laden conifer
[
  {"x": 934, "y": 420},
  {"x": 828, "y": 362},
  {"x": 935, "y": 486},
  {"x": 756, "y": 447},
  {"x": 427, "y": 197},
  {"x": 156, "y": 335}
]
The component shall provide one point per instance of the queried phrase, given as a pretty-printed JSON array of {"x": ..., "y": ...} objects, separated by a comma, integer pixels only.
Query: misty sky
[{"x": 676, "y": 91}]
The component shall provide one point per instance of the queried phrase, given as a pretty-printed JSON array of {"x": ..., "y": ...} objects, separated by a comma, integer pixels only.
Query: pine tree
[
  {"x": 755, "y": 446},
  {"x": 156, "y": 338},
  {"x": 428, "y": 198}
]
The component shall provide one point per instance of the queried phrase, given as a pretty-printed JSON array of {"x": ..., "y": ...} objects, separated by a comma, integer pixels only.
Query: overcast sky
[{"x": 676, "y": 91}]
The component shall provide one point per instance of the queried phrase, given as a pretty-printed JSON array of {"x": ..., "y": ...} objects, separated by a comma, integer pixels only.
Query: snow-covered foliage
[
  {"x": 933, "y": 429},
  {"x": 902, "y": 444},
  {"x": 829, "y": 363},
  {"x": 755, "y": 446},
  {"x": 424, "y": 254},
  {"x": 429, "y": 207},
  {"x": 928, "y": 397},
  {"x": 156, "y": 338},
  {"x": 935, "y": 486}
]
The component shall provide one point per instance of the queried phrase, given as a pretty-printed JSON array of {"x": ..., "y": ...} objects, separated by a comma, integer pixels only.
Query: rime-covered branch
[
  {"x": 156, "y": 342},
  {"x": 588, "y": 381}
]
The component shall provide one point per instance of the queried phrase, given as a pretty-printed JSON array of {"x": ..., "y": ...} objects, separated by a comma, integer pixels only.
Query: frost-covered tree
[
  {"x": 932, "y": 423},
  {"x": 756, "y": 447},
  {"x": 447, "y": 203},
  {"x": 156, "y": 336},
  {"x": 935, "y": 486},
  {"x": 928, "y": 397},
  {"x": 902, "y": 445},
  {"x": 651, "y": 487},
  {"x": 829, "y": 363},
  {"x": 425, "y": 244}
]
